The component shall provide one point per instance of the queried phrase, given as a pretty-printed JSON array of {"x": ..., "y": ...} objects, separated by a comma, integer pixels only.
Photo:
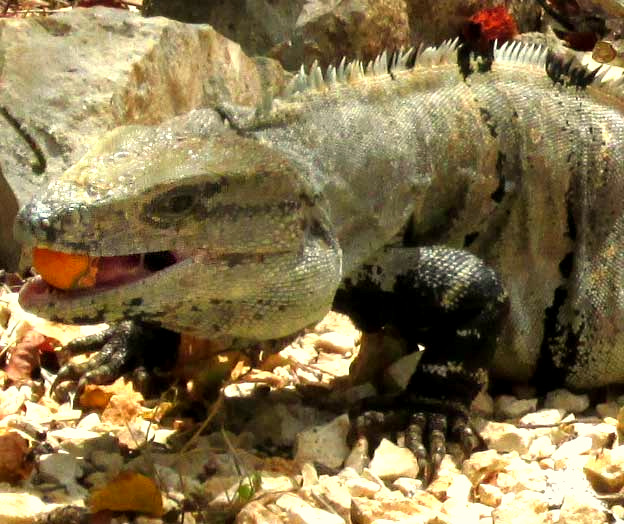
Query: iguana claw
[
  {"x": 425, "y": 435},
  {"x": 125, "y": 346}
]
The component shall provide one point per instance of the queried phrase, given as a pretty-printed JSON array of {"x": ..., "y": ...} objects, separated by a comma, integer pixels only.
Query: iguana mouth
[{"x": 110, "y": 272}]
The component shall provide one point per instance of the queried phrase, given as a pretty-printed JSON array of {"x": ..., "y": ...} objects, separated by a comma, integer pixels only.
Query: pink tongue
[{"x": 112, "y": 270}]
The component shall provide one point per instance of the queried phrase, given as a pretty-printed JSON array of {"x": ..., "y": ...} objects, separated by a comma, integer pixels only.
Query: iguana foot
[
  {"x": 424, "y": 433},
  {"x": 127, "y": 346}
]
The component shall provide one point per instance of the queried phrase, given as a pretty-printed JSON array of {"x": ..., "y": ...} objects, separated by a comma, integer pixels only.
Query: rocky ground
[{"x": 119, "y": 457}]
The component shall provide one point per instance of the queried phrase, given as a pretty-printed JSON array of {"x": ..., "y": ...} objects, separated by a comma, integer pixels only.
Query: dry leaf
[
  {"x": 128, "y": 491},
  {"x": 94, "y": 397},
  {"x": 99, "y": 396},
  {"x": 24, "y": 359},
  {"x": 15, "y": 461},
  {"x": 123, "y": 408}
]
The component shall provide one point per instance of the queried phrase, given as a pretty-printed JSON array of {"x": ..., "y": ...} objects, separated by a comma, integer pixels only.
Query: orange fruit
[{"x": 64, "y": 270}]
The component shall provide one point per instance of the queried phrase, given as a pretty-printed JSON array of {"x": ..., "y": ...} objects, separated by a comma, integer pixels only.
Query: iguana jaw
[{"x": 113, "y": 273}]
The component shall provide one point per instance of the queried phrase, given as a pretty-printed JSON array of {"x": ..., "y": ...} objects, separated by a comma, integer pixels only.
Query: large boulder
[
  {"x": 67, "y": 78},
  {"x": 258, "y": 25}
]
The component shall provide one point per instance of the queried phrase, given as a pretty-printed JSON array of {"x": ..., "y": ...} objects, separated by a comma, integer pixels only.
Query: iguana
[{"x": 473, "y": 202}]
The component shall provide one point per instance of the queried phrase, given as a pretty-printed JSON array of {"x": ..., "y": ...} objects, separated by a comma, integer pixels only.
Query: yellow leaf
[{"x": 128, "y": 491}]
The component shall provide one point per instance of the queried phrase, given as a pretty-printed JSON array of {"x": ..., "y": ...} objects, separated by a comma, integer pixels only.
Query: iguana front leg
[
  {"x": 127, "y": 346},
  {"x": 452, "y": 303}
]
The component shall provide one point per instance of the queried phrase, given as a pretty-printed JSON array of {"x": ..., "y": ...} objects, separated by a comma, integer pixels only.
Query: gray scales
[{"x": 335, "y": 190}]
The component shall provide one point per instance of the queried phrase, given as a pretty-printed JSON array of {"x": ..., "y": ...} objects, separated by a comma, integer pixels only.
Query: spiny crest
[
  {"x": 561, "y": 70},
  {"x": 355, "y": 71},
  {"x": 515, "y": 52}
]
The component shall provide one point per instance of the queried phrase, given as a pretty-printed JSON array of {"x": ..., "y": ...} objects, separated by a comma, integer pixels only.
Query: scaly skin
[{"x": 520, "y": 161}]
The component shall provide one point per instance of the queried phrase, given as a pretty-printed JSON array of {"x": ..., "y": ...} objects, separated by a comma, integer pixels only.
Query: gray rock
[
  {"x": 509, "y": 407},
  {"x": 324, "y": 444},
  {"x": 258, "y": 25},
  {"x": 63, "y": 469},
  {"x": 326, "y": 31},
  {"x": 567, "y": 401}
]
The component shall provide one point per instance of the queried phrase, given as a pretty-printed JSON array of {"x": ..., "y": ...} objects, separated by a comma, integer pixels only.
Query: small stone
[
  {"x": 527, "y": 507},
  {"x": 547, "y": 463},
  {"x": 361, "y": 487},
  {"x": 605, "y": 472},
  {"x": 256, "y": 512},
  {"x": 109, "y": 462},
  {"x": 37, "y": 412},
  {"x": 566, "y": 401},
  {"x": 483, "y": 405},
  {"x": 572, "y": 448},
  {"x": 608, "y": 409},
  {"x": 309, "y": 475},
  {"x": 336, "y": 342},
  {"x": 92, "y": 420},
  {"x": 520, "y": 475},
  {"x": 508, "y": 407},
  {"x": 482, "y": 464},
  {"x": 73, "y": 434},
  {"x": 505, "y": 437},
  {"x": 461, "y": 511},
  {"x": 334, "y": 493},
  {"x": 575, "y": 511},
  {"x": 460, "y": 488},
  {"x": 370, "y": 475},
  {"x": 358, "y": 458},
  {"x": 408, "y": 486},
  {"x": 542, "y": 447},
  {"x": 483, "y": 510},
  {"x": 61, "y": 468},
  {"x": 489, "y": 494},
  {"x": 326, "y": 444},
  {"x": 618, "y": 511},
  {"x": 398, "y": 374},
  {"x": 300, "y": 512},
  {"x": 97, "y": 479},
  {"x": 395, "y": 509},
  {"x": 602, "y": 434},
  {"x": 543, "y": 417},
  {"x": 391, "y": 462},
  {"x": 309, "y": 515},
  {"x": 20, "y": 508}
]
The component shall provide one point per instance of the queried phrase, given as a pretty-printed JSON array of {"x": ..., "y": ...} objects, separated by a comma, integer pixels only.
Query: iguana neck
[{"x": 376, "y": 152}]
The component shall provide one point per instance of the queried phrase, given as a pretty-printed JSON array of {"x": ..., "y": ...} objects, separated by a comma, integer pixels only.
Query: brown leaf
[
  {"x": 99, "y": 396},
  {"x": 128, "y": 491},
  {"x": 122, "y": 409},
  {"x": 15, "y": 462},
  {"x": 94, "y": 397},
  {"x": 24, "y": 359}
]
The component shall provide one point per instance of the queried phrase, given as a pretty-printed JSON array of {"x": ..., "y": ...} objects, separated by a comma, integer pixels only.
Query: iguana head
[{"x": 186, "y": 219}]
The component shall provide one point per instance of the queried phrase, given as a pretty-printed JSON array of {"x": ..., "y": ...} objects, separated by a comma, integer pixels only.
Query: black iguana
[{"x": 251, "y": 225}]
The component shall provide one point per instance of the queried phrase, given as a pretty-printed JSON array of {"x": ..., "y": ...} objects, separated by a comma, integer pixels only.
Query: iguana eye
[{"x": 176, "y": 203}]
